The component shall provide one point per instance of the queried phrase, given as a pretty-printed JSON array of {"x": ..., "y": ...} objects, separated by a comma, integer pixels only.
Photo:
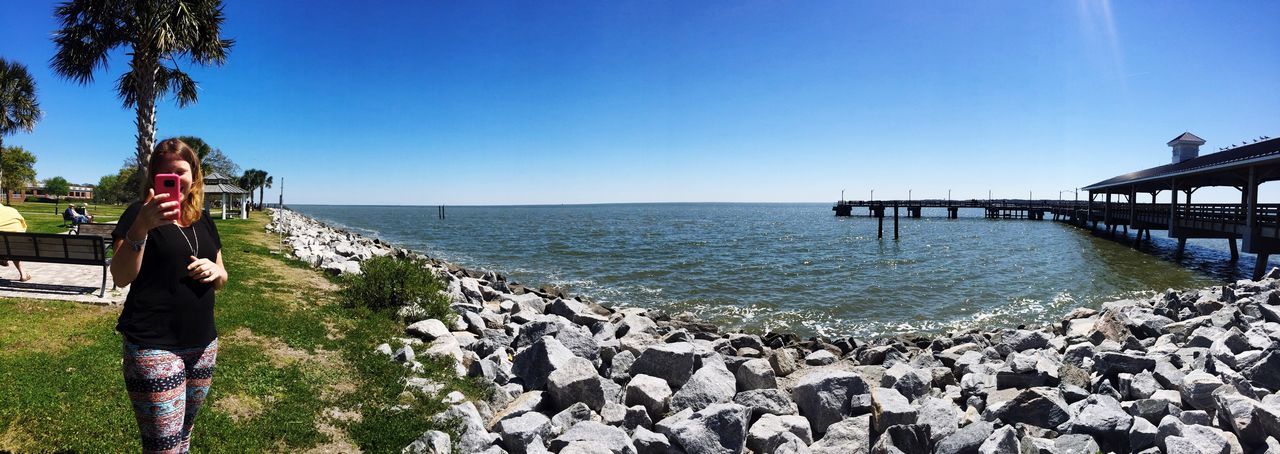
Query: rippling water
[{"x": 796, "y": 267}]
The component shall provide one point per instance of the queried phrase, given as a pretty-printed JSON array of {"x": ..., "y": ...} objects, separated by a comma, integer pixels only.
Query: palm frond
[
  {"x": 19, "y": 109},
  {"x": 127, "y": 88},
  {"x": 179, "y": 84},
  {"x": 90, "y": 29}
]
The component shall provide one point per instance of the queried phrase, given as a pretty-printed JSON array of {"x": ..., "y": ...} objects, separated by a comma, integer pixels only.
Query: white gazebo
[{"x": 219, "y": 186}]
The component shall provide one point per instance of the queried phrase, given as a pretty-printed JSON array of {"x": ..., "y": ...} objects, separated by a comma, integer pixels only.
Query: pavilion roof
[{"x": 1206, "y": 170}]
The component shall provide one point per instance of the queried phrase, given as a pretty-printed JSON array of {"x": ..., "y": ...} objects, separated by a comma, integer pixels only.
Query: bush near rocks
[{"x": 392, "y": 282}]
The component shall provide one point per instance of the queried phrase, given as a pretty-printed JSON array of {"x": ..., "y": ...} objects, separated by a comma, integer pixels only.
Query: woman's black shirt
[{"x": 165, "y": 308}]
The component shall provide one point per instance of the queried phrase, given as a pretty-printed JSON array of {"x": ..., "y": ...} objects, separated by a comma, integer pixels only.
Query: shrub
[{"x": 389, "y": 283}]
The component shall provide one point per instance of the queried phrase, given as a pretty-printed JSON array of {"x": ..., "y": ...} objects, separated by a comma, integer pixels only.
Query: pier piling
[{"x": 895, "y": 222}]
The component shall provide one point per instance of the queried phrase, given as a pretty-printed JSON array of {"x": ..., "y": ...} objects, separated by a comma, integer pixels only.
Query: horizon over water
[{"x": 795, "y": 267}]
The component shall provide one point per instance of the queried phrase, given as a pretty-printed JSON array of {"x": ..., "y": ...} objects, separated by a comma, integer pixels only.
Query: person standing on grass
[
  {"x": 169, "y": 253},
  {"x": 12, "y": 221}
]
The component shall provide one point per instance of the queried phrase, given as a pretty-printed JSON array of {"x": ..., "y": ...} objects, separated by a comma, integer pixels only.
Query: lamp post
[
  {"x": 908, "y": 196},
  {"x": 873, "y": 195}
]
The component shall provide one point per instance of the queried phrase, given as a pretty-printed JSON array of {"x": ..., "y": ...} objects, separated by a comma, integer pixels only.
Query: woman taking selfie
[{"x": 168, "y": 252}]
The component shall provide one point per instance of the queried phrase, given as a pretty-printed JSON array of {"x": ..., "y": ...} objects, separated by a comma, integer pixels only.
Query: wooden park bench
[
  {"x": 56, "y": 248},
  {"x": 102, "y": 230}
]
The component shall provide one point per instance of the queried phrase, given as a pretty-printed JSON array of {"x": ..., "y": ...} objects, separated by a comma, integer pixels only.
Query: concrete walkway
[{"x": 57, "y": 281}]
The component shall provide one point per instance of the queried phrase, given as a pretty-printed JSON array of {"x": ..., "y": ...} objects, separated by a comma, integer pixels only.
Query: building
[{"x": 77, "y": 192}]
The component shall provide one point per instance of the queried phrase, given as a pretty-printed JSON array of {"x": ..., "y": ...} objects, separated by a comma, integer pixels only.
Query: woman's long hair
[{"x": 192, "y": 203}]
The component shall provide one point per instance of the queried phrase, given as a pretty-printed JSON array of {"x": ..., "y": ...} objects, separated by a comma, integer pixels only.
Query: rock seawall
[{"x": 1185, "y": 372}]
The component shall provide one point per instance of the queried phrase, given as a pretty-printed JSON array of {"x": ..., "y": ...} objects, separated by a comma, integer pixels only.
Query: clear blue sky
[{"x": 580, "y": 102}]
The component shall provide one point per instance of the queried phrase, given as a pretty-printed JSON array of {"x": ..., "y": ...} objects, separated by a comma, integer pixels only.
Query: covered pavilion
[
  {"x": 1243, "y": 167},
  {"x": 219, "y": 187}
]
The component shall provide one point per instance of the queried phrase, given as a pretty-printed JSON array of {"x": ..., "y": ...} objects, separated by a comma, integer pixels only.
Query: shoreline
[{"x": 569, "y": 373}]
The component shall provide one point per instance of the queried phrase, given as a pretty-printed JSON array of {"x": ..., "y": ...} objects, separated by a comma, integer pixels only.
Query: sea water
[{"x": 797, "y": 267}]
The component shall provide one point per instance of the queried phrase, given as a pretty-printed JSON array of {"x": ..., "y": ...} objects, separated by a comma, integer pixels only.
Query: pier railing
[{"x": 1267, "y": 215}]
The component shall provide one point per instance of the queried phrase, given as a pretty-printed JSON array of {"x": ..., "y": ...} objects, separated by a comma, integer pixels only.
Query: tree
[
  {"x": 17, "y": 170},
  {"x": 252, "y": 179},
  {"x": 266, "y": 183},
  {"x": 19, "y": 110},
  {"x": 122, "y": 187},
  {"x": 108, "y": 189},
  {"x": 216, "y": 161},
  {"x": 156, "y": 34},
  {"x": 201, "y": 148},
  {"x": 57, "y": 186}
]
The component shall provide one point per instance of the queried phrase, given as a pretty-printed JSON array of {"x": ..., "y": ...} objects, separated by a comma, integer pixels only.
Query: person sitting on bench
[
  {"x": 74, "y": 216},
  {"x": 12, "y": 221},
  {"x": 84, "y": 211}
]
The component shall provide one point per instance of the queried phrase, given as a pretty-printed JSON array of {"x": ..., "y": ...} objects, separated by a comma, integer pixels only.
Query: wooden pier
[{"x": 1113, "y": 205}]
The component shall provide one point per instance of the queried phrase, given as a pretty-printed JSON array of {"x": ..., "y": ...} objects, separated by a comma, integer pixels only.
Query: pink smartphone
[{"x": 168, "y": 183}]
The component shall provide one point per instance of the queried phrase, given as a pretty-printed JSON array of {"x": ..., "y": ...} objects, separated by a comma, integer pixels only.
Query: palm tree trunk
[
  {"x": 261, "y": 189},
  {"x": 6, "y": 187},
  {"x": 145, "y": 72}
]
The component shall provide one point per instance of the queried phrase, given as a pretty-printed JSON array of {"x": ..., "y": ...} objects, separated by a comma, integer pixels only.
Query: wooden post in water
[
  {"x": 880, "y": 229},
  {"x": 895, "y": 222}
]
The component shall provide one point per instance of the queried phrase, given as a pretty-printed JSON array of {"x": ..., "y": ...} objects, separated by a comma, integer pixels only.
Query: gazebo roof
[
  {"x": 223, "y": 188},
  {"x": 217, "y": 183}
]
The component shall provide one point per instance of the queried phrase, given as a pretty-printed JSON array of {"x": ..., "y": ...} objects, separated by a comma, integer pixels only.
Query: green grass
[
  {"x": 289, "y": 352},
  {"x": 47, "y": 218}
]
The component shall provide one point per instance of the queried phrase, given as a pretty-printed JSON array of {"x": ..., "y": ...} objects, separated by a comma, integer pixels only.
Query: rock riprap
[{"x": 1183, "y": 371}]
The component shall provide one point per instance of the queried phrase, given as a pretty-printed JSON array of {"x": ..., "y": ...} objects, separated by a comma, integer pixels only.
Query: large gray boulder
[
  {"x": 1102, "y": 417},
  {"x": 649, "y": 442},
  {"x": 712, "y": 383},
  {"x": 770, "y": 401},
  {"x": 1241, "y": 415},
  {"x": 1040, "y": 407},
  {"x": 768, "y": 430},
  {"x": 524, "y": 403},
  {"x": 941, "y": 415},
  {"x": 783, "y": 361},
  {"x": 1265, "y": 373},
  {"x": 650, "y": 392},
  {"x": 909, "y": 381},
  {"x": 431, "y": 442},
  {"x": 903, "y": 438},
  {"x": 756, "y": 374},
  {"x": 1076, "y": 444},
  {"x": 1197, "y": 389},
  {"x": 1001, "y": 441},
  {"x": 850, "y": 436},
  {"x": 579, "y": 342},
  {"x": 674, "y": 363},
  {"x": 718, "y": 428},
  {"x": 473, "y": 436},
  {"x": 611, "y": 439},
  {"x": 1022, "y": 340},
  {"x": 534, "y": 364},
  {"x": 428, "y": 330},
  {"x": 890, "y": 408},
  {"x": 966, "y": 440},
  {"x": 519, "y": 432},
  {"x": 825, "y": 398},
  {"x": 576, "y": 381}
]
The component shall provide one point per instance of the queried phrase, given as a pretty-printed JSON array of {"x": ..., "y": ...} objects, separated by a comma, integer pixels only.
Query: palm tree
[
  {"x": 252, "y": 179},
  {"x": 266, "y": 183},
  {"x": 19, "y": 110},
  {"x": 157, "y": 33}
]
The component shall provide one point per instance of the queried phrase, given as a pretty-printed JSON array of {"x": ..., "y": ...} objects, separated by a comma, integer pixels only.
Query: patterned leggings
[{"x": 167, "y": 387}]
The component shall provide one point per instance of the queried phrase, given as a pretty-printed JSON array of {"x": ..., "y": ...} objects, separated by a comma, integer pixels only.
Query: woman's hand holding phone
[{"x": 158, "y": 210}]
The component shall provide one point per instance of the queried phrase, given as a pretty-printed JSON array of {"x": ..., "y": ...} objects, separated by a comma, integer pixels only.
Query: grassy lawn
[
  {"x": 46, "y": 218},
  {"x": 296, "y": 370}
]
